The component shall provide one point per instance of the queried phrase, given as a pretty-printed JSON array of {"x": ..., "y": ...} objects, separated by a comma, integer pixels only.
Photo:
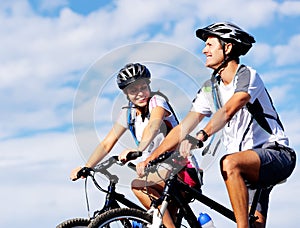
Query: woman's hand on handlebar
[
  {"x": 74, "y": 173},
  {"x": 123, "y": 156},
  {"x": 129, "y": 154}
]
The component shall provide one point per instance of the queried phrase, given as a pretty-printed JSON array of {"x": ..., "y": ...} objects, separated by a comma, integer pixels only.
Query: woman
[{"x": 148, "y": 116}]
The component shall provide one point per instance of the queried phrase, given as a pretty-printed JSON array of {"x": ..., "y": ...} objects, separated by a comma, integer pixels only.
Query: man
[{"x": 253, "y": 135}]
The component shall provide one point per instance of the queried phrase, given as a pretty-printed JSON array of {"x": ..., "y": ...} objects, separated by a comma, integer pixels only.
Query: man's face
[{"x": 214, "y": 53}]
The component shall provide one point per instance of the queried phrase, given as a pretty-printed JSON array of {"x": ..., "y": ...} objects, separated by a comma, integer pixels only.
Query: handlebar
[
  {"x": 84, "y": 172},
  {"x": 107, "y": 164},
  {"x": 132, "y": 156},
  {"x": 167, "y": 156},
  {"x": 194, "y": 141},
  {"x": 172, "y": 155},
  {"x": 103, "y": 166},
  {"x": 162, "y": 158}
]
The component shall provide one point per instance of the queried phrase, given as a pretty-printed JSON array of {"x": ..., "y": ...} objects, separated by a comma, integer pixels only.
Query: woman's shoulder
[
  {"x": 158, "y": 99},
  {"x": 159, "y": 95}
]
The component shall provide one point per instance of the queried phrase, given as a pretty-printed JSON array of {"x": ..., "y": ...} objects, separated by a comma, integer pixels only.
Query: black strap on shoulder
[{"x": 261, "y": 118}]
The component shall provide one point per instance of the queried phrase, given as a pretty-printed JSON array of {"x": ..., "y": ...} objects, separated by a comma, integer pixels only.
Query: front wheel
[
  {"x": 122, "y": 217},
  {"x": 75, "y": 222}
]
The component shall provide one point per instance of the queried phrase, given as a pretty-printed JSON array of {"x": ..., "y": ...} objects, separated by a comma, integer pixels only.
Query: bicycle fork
[{"x": 157, "y": 213}]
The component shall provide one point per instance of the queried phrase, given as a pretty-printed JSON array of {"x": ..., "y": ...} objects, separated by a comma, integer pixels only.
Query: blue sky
[{"x": 57, "y": 54}]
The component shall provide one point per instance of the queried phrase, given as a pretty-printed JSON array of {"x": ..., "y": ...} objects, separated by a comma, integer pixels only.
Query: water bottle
[
  {"x": 205, "y": 221},
  {"x": 136, "y": 224}
]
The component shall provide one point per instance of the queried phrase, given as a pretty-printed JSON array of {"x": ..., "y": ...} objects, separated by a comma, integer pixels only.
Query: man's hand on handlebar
[
  {"x": 188, "y": 144},
  {"x": 140, "y": 168},
  {"x": 185, "y": 148}
]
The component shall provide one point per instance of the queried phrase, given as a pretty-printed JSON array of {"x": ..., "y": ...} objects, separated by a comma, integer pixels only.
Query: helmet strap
[
  {"x": 223, "y": 65},
  {"x": 225, "y": 61},
  {"x": 227, "y": 58}
]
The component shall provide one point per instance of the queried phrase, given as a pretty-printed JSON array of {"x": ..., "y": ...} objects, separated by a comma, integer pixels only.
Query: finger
[
  {"x": 73, "y": 178},
  {"x": 122, "y": 157},
  {"x": 181, "y": 147},
  {"x": 184, "y": 148},
  {"x": 73, "y": 175},
  {"x": 140, "y": 170},
  {"x": 189, "y": 146}
]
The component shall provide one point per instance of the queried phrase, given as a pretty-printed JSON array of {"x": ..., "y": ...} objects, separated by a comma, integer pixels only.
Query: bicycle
[
  {"x": 173, "y": 191},
  {"x": 112, "y": 199}
]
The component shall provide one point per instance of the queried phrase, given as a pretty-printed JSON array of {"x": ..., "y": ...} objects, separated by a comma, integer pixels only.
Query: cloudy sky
[{"x": 59, "y": 96}]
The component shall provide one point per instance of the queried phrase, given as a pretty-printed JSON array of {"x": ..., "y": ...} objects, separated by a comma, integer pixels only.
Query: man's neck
[{"x": 227, "y": 74}]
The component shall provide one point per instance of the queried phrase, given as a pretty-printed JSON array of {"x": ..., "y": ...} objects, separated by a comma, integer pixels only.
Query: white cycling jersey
[
  {"x": 254, "y": 124},
  {"x": 140, "y": 124}
]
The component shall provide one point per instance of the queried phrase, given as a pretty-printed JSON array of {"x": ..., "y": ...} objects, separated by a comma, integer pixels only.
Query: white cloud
[
  {"x": 288, "y": 76},
  {"x": 50, "y": 5},
  {"x": 279, "y": 93},
  {"x": 288, "y": 54},
  {"x": 260, "y": 54},
  {"x": 45, "y": 57},
  {"x": 32, "y": 173},
  {"x": 290, "y": 8},
  {"x": 292, "y": 125},
  {"x": 248, "y": 14}
]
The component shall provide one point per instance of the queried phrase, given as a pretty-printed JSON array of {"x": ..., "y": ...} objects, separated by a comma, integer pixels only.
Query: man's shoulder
[{"x": 245, "y": 69}]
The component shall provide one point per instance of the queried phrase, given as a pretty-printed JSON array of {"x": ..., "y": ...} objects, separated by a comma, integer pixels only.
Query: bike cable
[{"x": 87, "y": 198}]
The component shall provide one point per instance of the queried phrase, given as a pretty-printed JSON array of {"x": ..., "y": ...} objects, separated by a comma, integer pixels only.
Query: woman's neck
[{"x": 143, "y": 111}]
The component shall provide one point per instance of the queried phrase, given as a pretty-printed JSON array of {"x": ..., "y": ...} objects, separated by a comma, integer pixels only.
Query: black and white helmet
[
  {"x": 229, "y": 33},
  {"x": 132, "y": 72}
]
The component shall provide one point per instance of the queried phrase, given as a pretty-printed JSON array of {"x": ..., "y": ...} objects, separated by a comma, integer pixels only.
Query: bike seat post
[{"x": 252, "y": 217}]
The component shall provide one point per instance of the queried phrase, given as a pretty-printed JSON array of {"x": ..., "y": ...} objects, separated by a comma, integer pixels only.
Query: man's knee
[
  {"x": 228, "y": 166},
  {"x": 227, "y": 163}
]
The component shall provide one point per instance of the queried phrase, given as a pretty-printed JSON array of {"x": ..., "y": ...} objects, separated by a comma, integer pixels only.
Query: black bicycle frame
[
  {"x": 113, "y": 198},
  {"x": 174, "y": 190}
]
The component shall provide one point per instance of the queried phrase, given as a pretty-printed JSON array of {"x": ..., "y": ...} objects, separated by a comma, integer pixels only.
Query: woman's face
[{"x": 138, "y": 93}]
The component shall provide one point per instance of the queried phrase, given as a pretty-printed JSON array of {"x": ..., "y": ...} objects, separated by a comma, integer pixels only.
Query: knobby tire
[
  {"x": 75, "y": 222},
  {"x": 121, "y": 217}
]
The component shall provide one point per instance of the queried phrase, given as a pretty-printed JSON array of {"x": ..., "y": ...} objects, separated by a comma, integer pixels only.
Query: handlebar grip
[
  {"x": 131, "y": 166},
  {"x": 196, "y": 143},
  {"x": 200, "y": 144},
  {"x": 84, "y": 172},
  {"x": 133, "y": 155},
  {"x": 160, "y": 159}
]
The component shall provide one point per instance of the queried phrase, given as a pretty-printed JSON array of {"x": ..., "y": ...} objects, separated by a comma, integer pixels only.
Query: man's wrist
[{"x": 204, "y": 134}]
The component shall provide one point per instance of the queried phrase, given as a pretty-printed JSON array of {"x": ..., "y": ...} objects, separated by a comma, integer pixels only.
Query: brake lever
[{"x": 84, "y": 172}]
